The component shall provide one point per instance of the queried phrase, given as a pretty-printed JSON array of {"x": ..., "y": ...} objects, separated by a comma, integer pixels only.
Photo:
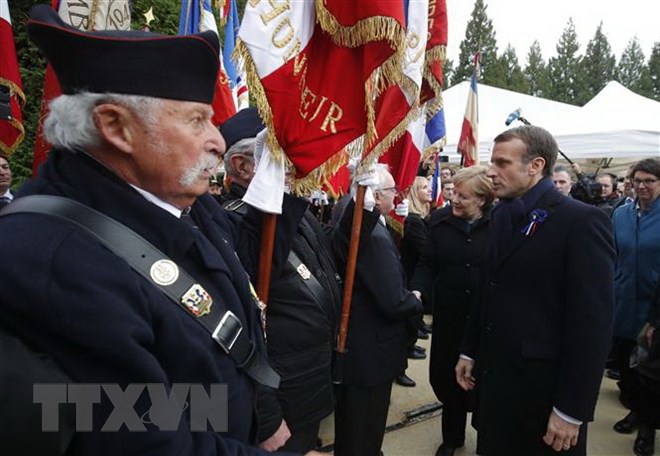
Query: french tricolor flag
[{"x": 468, "y": 143}]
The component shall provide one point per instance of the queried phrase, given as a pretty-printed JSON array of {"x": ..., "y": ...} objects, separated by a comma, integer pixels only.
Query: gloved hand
[
  {"x": 401, "y": 209},
  {"x": 369, "y": 200},
  {"x": 319, "y": 198}
]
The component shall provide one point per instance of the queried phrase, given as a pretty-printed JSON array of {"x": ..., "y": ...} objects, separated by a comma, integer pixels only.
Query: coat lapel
[{"x": 548, "y": 202}]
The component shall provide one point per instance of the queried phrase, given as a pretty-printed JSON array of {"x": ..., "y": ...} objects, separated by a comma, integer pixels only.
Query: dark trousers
[
  {"x": 454, "y": 418},
  {"x": 303, "y": 439},
  {"x": 360, "y": 419},
  {"x": 629, "y": 384}
]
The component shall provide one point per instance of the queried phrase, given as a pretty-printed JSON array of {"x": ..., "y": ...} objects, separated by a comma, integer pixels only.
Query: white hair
[
  {"x": 70, "y": 123},
  {"x": 382, "y": 170},
  {"x": 245, "y": 146}
]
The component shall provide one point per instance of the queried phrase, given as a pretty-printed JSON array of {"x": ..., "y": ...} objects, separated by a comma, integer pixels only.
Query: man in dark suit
[
  {"x": 377, "y": 332},
  {"x": 5, "y": 181},
  {"x": 303, "y": 306},
  {"x": 541, "y": 335},
  {"x": 140, "y": 151}
]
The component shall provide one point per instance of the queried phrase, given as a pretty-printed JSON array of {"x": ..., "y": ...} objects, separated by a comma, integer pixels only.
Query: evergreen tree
[
  {"x": 654, "y": 71},
  {"x": 632, "y": 71},
  {"x": 479, "y": 37},
  {"x": 564, "y": 69},
  {"x": 513, "y": 77},
  {"x": 447, "y": 73},
  {"x": 536, "y": 72},
  {"x": 598, "y": 66},
  {"x": 32, "y": 67}
]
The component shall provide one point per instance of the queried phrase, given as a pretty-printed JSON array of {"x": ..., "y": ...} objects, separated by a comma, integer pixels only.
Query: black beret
[
  {"x": 127, "y": 62},
  {"x": 246, "y": 123}
]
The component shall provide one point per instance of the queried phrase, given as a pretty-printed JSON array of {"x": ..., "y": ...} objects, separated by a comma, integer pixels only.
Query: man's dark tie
[{"x": 187, "y": 219}]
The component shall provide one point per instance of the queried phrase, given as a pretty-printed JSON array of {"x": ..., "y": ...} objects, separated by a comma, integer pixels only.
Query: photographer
[
  {"x": 609, "y": 198},
  {"x": 586, "y": 189}
]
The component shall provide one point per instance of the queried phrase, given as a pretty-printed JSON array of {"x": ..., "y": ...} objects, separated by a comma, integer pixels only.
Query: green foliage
[
  {"x": 536, "y": 73},
  {"x": 447, "y": 73},
  {"x": 479, "y": 37},
  {"x": 632, "y": 71},
  {"x": 32, "y": 66},
  {"x": 565, "y": 68},
  {"x": 166, "y": 14},
  {"x": 654, "y": 71},
  {"x": 598, "y": 66},
  {"x": 512, "y": 75}
]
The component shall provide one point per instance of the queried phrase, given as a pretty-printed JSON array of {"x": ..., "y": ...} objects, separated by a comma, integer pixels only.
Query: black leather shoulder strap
[{"x": 225, "y": 328}]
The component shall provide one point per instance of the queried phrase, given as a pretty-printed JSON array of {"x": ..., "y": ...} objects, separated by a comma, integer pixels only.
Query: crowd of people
[{"x": 132, "y": 263}]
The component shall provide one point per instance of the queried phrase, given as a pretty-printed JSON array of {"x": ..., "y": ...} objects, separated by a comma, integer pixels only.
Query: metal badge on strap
[{"x": 159, "y": 270}]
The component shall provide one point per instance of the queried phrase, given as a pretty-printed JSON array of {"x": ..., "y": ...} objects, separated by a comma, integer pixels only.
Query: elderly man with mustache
[{"x": 133, "y": 140}]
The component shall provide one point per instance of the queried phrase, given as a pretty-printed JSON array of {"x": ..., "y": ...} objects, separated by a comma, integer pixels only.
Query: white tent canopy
[{"x": 616, "y": 123}]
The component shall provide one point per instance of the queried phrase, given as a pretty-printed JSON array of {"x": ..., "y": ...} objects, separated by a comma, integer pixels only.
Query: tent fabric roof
[{"x": 615, "y": 123}]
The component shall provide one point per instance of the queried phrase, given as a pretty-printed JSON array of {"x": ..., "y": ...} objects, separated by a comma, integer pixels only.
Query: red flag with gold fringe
[
  {"x": 315, "y": 87},
  {"x": 11, "y": 87}
]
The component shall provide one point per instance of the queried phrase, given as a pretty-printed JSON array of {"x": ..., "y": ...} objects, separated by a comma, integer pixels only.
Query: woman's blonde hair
[
  {"x": 415, "y": 205},
  {"x": 475, "y": 177}
]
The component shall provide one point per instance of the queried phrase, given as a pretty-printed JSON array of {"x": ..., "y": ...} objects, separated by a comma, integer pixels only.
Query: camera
[{"x": 586, "y": 189}]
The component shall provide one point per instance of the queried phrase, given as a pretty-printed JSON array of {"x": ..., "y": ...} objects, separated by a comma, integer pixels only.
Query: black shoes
[
  {"x": 626, "y": 425},
  {"x": 428, "y": 329},
  {"x": 422, "y": 335},
  {"x": 404, "y": 380},
  {"x": 645, "y": 441},
  {"x": 415, "y": 353},
  {"x": 444, "y": 450},
  {"x": 614, "y": 374}
]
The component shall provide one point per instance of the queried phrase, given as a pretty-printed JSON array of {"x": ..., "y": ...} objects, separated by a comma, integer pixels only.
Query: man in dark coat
[
  {"x": 542, "y": 334},
  {"x": 303, "y": 304},
  {"x": 141, "y": 152},
  {"x": 377, "y": 338}
]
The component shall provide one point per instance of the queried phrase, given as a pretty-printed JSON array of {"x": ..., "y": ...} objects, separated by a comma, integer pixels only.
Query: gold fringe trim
[
  {"x": 434, "y": 148},
  {"x": 435, "y": 54},
  {"x": 393, "y": 135},
  {"x": 259, "y": 93},
  {"x": 10, "y": 149},
  {"x": 15, "y": 89},
  {"x": 314, "y": 179},
  {"x": 375, "y": 28},
  {"x": 395, "y": 224}
]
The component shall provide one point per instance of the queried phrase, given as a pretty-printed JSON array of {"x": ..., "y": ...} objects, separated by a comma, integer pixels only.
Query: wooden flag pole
[
  {"x": 266, "y": 255},
  {"x": 349, "y": 279}
]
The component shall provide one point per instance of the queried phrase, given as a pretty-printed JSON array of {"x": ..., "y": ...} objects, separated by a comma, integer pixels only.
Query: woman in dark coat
[
  {"x": 450, "y": 271},
  {"x": 415, "y": 232}
]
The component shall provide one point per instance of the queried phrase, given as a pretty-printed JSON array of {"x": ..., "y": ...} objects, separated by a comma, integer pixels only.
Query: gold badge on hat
[
  {"x": 164, "y": 272},
  {"x": 303, "y": 271},
  {"x": 197, "y": 300}
]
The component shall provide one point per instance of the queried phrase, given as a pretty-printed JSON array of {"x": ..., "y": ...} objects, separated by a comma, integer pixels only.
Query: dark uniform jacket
[
  {"x": 66, "y": 295},
  {"x": 301, "y": 328},
  {"x": 381, "y": 305},
  {"x": 450, "y": 270},
  {"x": 545, "y": 326}
]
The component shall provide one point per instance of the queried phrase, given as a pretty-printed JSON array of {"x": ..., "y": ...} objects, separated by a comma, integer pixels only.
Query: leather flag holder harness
[{"x": 224, "y": 327}]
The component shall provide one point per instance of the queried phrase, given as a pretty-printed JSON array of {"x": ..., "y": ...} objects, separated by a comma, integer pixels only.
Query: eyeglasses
[
  {"x": 394, "y": 189},
  {"x": 646, "y": 182}
]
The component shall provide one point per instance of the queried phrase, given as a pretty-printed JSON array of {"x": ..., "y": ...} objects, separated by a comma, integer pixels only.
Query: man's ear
[
  {"x": 115, "y": 124},
  {"x": 537, "y": 165},
  {"x": 244, "y": 166}
]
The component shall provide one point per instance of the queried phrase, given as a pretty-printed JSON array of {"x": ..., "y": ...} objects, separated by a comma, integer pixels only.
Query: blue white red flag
[
  {"x": 198, "y": 17},
  {"x": 236, "y": 78},
  {"x": 468, "y": 143}
]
